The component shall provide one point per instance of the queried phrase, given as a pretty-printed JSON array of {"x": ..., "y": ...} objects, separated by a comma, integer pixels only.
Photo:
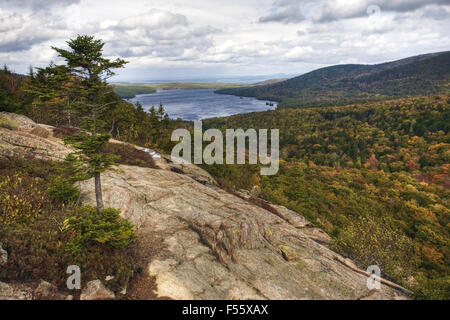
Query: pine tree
[
  {"x": 90, "y": 154},
  {"x": 85, "y": 62},
  {"x": 51, "y": 89}
]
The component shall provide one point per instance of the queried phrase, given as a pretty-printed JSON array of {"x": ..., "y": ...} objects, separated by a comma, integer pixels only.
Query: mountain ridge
[{"x": 353, "y": 83}]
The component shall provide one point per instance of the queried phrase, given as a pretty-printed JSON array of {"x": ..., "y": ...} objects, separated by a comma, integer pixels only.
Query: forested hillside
[
  {"x": 47, "y": 97},
  {"x": 344, "y": 84},
  {"x": 375, "y": 176},
  {"x": 11, "y": 94}
]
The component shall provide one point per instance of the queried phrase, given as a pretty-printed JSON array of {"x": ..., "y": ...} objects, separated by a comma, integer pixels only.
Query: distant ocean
[
  {"x": 197, "y": 104},
  {"x": 245, "y": 80},
  {"x": 235, "y": 79}
]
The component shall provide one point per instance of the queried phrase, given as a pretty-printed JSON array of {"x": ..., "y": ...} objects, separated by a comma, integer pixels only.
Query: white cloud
[
  {"x": 21, "y": 32},
  {"x": 154, "y": 19},
  {"x": 299, "y": 53},
  {"x": 157, "y": 34},
  {"x": 166, "y": 38},
  {"x": 9, "y": 21}
]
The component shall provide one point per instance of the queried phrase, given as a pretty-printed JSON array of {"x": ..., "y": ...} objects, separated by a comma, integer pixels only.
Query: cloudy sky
[{"x": 169, "y": 39}]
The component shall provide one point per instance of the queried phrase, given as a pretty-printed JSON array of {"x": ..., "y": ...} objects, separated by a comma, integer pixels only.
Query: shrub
[
  {"x": 63, "y": 132},
  {"x": 21, "y": 199},
  {"x": 63, "y": 191},
  {"x": 99, "y": 261},
  {"x": 90, "y": 227},
  {"x": 31, "y": 229},
  {"x": 129, "y": 155},
  {"x": 36, "y": 250},
  {"x": 30, "y": 222},
  {"x": 101, "y": 244},
  {"x": 29, "y": 166}
]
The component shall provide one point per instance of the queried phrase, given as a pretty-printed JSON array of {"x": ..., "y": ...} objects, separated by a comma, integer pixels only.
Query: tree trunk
[
  {"x": 98, "y": 192},
  {"x": 112, "y": 127}
]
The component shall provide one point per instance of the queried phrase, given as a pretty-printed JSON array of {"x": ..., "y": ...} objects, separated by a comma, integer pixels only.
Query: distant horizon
[
  {"x": 244, "y": 79},
  {"x": 212, "y": 79}
]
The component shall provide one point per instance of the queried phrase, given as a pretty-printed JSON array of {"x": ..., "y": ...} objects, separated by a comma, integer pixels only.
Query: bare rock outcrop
[
  {"x": 19, "y": 140},
  {"x": 17, "y": 121},
  {"x": 47, "y": 291},
  {"x": 15, "y": 291},
  {"x": 215, "y": 245},
  {"x": 95, "y": 290}
]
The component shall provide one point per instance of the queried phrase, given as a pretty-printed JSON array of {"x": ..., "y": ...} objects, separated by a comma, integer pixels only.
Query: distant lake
[{"x": 197, "y": 104}]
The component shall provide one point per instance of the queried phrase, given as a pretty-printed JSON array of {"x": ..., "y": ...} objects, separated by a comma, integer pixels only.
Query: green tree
[
  {"x": 85, "y": 62},
  {"x": 90, "y": 154},
  {"x": 51, "y": 89},
  {"x": 10, "y": 99}
]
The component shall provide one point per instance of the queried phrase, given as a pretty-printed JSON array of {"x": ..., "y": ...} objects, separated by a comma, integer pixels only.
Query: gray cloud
[
  {"x": 289, "y": 14},
  {"x": 436, "y": 13},
  {"x": 20, "y": 32},
  {"x": 160, "y": 34},
  {"x": 17, "y": 35},
  {"x": 10, "y": 21},
  {"x": 293, "y": 11},
  {"x": 335, "y": 10},
  {"x": 20, "y": 44},
  {"x": 409, "y": 5},
  {"x": 38, "y": 5},
  {"x": 285, "y": 11}
]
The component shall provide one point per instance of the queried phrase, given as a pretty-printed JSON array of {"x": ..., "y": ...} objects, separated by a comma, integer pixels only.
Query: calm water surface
[{"x": 197, "y": 104}]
